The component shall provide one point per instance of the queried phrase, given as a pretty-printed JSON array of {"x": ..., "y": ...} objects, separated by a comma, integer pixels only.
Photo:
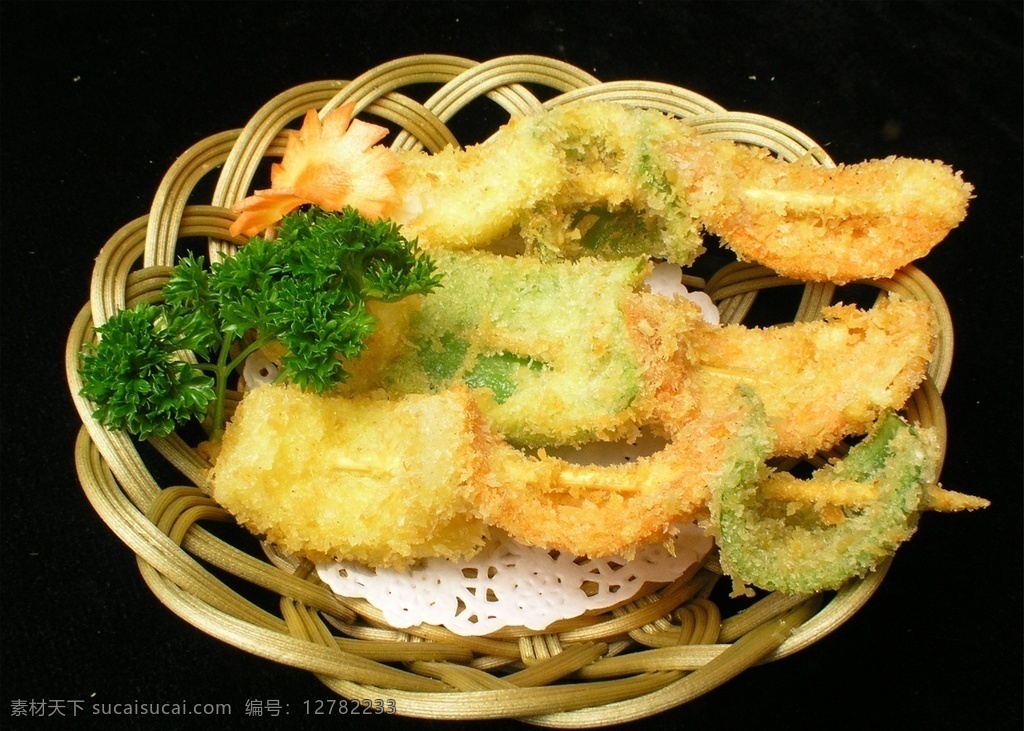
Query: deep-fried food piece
[
  {"x": 599, "y": 178},
  {"x": 568, "y": 352},
  {"x": 621, "y": 192},
  {"x": 591, "y": 510},
  {"x": 819, "y": 381},
  {"x": 663, "y": 330},
  {"x": 587, "y": 178},
  {"x": 800, "y": 549},
  {"x": 544, "y": 345},
  {"x": 467, "y": 198},
  {"x": 861, "y": 221},
  {"x": 381, "y": 482},
  {"x": 824, "y": 380}
]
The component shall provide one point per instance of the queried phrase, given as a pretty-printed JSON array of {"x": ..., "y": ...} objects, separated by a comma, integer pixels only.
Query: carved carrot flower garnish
[{"x": 332, "y": 163}]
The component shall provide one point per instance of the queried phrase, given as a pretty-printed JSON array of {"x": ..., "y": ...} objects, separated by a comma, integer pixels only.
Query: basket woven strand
[{"x": 655, "y": 653}]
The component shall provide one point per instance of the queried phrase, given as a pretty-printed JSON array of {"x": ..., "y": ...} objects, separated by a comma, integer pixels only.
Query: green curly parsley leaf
[
  {"x": 307, "y": 290},
  {"x": 138, "y": 380}
]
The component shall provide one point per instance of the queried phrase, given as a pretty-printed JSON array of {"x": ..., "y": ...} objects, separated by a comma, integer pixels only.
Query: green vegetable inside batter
[
  {"x": 791, "y": 547},
  {"x": 548, "y": 340}
]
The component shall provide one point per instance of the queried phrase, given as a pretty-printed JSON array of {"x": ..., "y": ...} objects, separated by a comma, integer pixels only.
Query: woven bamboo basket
[{"x": 658, "y": 652}]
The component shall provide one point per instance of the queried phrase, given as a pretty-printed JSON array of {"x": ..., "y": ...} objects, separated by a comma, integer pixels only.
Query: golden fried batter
[
  {"x": 468, "y": 198},
  {"x": 552, "y": 176},
  {"x": 544, "y": 345},
  {"x": 608, "y": 510},
  {"x": 836, "y": 494},
  {"x": 606, "y": 179},
  {"x": 377, "y": 481},
  {"x": 802, "y": 548},
  {"x": 601, "y": 178},
  {"x": 554, "y": 357},
  {"x": 813, "y": 223},
  {"x": 821, "y": 381}
]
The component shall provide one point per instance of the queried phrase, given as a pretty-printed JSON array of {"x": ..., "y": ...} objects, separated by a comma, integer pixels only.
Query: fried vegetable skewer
[
  {"x": 544, "y": 345},
  {"x": 814, "y": 223},
  {"x": 379, "y": 481},
  {"x": 818, "y": 381},
  {"x": 824, "y": 380},
  {"x": 793, "y": 548},
  {"x": 551, "y": 177},
  {"x": 591, "y": 510},
  {"x": 601, "y": 178}
]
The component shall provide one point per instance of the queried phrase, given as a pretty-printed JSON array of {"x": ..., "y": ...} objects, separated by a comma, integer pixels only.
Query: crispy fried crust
[
  {"x": 467, "y": 198},
  {"x": 604, "y": 179},
  {"x": 382, "y": 482},
  {"x": 807, "y": 386},
  {"x": 861, "y": 221},
  {"x": 819, "y": 381},
  {"x": 544, "y": 174},
  {"x": 554, "y": 174},
  {"x": 591, "y": 510},
  {"x": 824, "y": 380},
  {"x": 802, "y": 548},
  {"x": 545, "y": 345}
]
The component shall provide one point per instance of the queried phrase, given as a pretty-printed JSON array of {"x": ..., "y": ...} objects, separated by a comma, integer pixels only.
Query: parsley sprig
[{"x": 307, "y": 290}]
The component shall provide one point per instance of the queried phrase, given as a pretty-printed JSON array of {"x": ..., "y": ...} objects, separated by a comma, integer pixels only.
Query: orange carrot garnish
[{"x": 332, "y": 163}]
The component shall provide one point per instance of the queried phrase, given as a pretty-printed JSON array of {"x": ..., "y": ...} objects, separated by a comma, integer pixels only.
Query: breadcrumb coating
[
  {"x": 599, "y": 178},
  {"x": 547, "y": 176},
  {"x": 824, "y": 380},
  {"x": 606, "y": 179},
  {"x": 818, "y": 381},
  {"x": 860, "y": 221},
  {"x": 423, "y": 448},
  {"x": 608, "y": 510},
  {"x": 383, "y": 482},
  {"x": 544, "y": 344},
  {"x": 800, "y": 548},
  {"x": 466, "y": 198}
]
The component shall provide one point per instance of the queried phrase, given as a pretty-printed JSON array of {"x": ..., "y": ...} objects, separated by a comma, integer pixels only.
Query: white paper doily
[
  {"x": 509, "y": 585},
  {"x": 665, "y": 279}
]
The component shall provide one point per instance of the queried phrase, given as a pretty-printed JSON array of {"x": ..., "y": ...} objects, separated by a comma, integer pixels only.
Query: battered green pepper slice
[
  {"x": 614, "y": 234},
  {"x": 801, "y": 548},
  {"x": 544, "y": 345},
  {"x": 620, "y": 189}
]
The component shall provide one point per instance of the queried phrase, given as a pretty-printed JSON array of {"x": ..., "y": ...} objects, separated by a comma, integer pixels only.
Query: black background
[{"x": 98, "y": 100}]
